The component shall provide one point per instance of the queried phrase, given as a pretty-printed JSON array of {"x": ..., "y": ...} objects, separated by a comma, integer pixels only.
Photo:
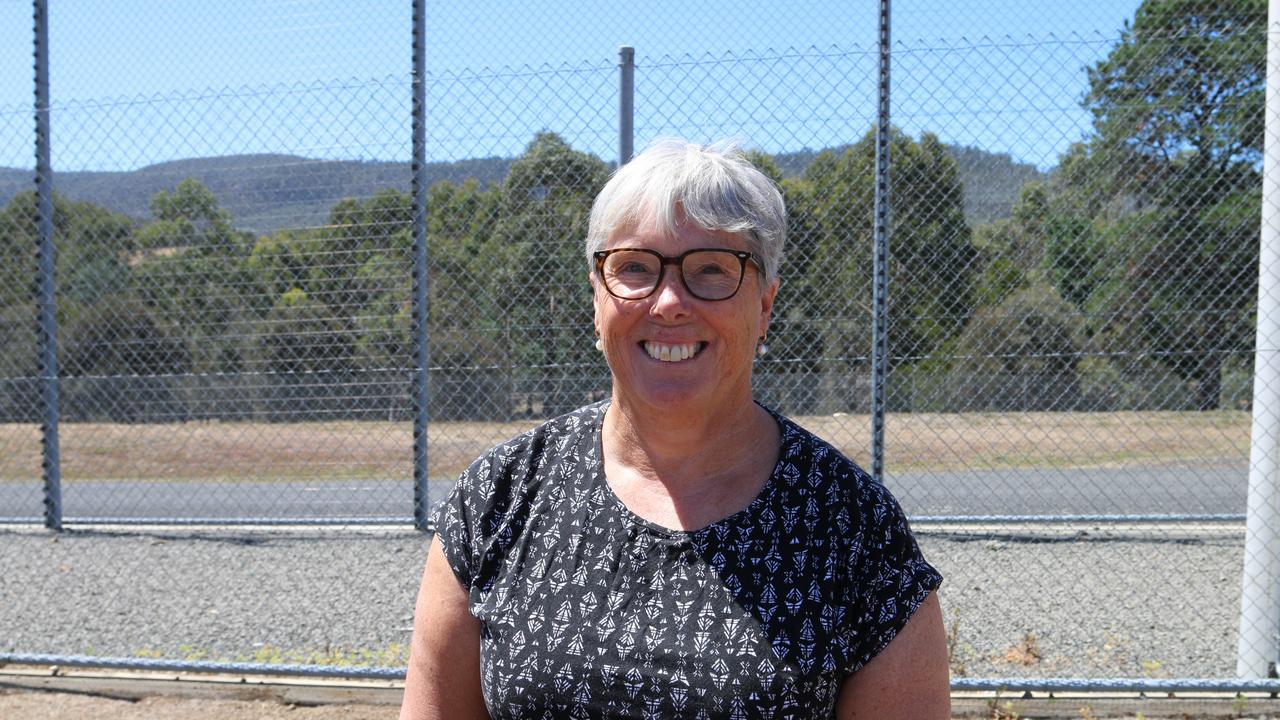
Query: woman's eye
[
  {"x": 634, "y": 268},
  {"x": 709, "y": 270}
]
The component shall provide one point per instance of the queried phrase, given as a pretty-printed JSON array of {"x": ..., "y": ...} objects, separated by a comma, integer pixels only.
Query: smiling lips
[{"x": 672, "y": 353}]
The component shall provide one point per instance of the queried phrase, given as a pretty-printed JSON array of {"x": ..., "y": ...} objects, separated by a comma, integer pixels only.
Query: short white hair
[{"x": 714, "y": 186}]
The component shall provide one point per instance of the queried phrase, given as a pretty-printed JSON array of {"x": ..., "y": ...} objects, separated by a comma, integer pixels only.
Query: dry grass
[
  {"x": 938, "y": 441},
  {"x": 1026, "y": 652},
  {"x": 383, "y": 450}
]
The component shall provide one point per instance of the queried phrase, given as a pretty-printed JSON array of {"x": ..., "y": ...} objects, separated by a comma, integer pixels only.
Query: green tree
[
  {"x": 94, "y": 248},
  {"x": 1170, "y": 179},
  {"x": 546, "y": 202},
  {"x": 472, "y": 336},
  {"x": 111, "y": 346},
  {"x": 349, "y": 283},
  {"x": 194, "y": 276},
  {"x": 19, "y": 364},
  {"x": 1184, "y": 84},
  {"x": 1042, "y": 241},
  {"x": 124, "y": 361},
  {"x": 1020, "y": 353},
  {"x": 931, "y": 254},
  {"x": 785, "y": 377}
]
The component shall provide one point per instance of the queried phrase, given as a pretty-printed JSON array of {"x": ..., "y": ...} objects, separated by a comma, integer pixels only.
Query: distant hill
[
  {"x": 265, "y": 193},
  {"x": 991, "y": 180}
]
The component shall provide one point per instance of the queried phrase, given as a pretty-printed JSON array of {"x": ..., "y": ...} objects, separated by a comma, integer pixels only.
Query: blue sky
[{"x": 136, "y": 83}]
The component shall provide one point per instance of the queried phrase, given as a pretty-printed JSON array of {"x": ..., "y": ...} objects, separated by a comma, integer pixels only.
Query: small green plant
[
  {"x": 392, "y": 655},
  {"x": 1239, "y": 703},
  {"x": 192, "y": 654},
  {"x": 1002, "y": 711}
]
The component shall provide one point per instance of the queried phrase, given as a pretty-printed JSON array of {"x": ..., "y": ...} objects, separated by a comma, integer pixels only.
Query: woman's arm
[
  {"x": 443, "y": 679},
  {"x": 909, "y": 679}
]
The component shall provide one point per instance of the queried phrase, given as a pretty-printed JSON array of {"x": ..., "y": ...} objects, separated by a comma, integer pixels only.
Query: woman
[{"x": 677, "y": 550}]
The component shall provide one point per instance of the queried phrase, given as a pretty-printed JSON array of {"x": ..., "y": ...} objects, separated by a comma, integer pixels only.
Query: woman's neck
[{"x": 689, "y": 470}]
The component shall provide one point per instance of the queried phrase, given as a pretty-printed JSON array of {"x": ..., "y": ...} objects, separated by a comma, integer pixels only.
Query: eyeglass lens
[{"x": 707, "y": 274}]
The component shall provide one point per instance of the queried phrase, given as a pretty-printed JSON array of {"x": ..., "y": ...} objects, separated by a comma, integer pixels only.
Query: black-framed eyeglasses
[{"x": 707, "y": 273}]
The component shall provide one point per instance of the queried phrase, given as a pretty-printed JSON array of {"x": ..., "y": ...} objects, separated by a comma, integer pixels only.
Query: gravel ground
[
  {"x": 64, "y": 706},
  {"x": 1071, "y": 601}
]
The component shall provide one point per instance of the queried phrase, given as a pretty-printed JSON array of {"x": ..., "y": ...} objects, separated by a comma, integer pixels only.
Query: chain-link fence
[{"x": 1071, "y": 311}]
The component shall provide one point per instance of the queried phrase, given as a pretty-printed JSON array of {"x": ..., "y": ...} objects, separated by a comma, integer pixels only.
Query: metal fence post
[
  {"x": 626, "y": 103},
  {"x": 880, "y": 259},
  {"x": 48, "y": 334},
  {"x": 1259, "y": 647},
  {"x": 420, "y": 347}
]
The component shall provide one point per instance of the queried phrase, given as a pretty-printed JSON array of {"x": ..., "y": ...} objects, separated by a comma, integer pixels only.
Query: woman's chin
[{"x": 678, "y": 397}]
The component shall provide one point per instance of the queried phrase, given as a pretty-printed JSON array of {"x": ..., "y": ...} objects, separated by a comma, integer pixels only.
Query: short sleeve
[
  {"x": 893, "y": 576},
  {"x": 454, "y": 525}
]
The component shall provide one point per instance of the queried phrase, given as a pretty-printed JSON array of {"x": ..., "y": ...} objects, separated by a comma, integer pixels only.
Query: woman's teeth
[{"x": 671, "y": 353}]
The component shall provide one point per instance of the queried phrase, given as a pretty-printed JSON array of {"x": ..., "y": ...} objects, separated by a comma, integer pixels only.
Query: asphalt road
[{"x": 1211, "y": 489}]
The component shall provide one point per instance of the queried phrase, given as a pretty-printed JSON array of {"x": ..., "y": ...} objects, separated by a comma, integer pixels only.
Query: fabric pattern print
[{"x": 588, "y": 611}]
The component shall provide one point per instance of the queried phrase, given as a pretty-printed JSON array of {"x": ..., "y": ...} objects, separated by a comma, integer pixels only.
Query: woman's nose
[{"x": 671, "y": 296}]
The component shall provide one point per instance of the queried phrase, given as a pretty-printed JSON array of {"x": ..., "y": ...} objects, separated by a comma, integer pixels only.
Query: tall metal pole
[
  {"x": 48, "y": 334},
  {"x": 1259, "y": 638},
  {"x": 626, "y": 103},
  {"x": 420, "y": 346},
  {"x": 880, "y": 259}
]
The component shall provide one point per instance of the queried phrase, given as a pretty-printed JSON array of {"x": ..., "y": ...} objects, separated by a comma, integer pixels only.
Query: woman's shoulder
[
  {"x": 495, "y": 497},
  {"x": 527, "y": 456},
  {"x": 815, "y": 466},
  {"x": 852, "y": 514},
  {"x": 548, "y": 435},
  {"x": 805, "y": 451}
]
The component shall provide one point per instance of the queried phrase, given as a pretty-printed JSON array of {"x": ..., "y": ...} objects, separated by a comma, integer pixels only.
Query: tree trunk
[{"x": 1209, "y": 385}]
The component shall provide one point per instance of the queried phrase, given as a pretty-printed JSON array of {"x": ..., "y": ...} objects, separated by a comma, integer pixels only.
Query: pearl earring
[
  {"x": 762, "y": 349},
  {"x": 600, "y": 344}
]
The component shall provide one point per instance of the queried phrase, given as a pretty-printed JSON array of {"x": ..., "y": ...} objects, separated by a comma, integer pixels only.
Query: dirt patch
[
  {"x": 60, "y": 706},
  {"x": 383, "y": 450}
]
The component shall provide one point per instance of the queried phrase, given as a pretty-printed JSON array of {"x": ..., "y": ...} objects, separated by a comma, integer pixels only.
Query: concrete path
[{"x": 1210, "y": 489}]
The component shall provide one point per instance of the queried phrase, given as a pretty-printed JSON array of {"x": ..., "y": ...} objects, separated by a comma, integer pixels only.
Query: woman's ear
[
  {"x": 595, "y": 301},
  {"x": 766, "y": 304}
]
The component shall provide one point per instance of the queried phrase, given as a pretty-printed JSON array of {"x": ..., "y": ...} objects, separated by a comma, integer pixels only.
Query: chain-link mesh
[
  {"x": 19, "y": 390},
  {"x": 1071, "y": 302},
  {"x": 1087, "y": 349},
  {"x": 230, "y": 326},
  {"x": 15, "y": 86}
]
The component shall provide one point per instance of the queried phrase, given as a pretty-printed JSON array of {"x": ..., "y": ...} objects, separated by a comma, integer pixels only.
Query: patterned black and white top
[{"x": 588, "y": 610}]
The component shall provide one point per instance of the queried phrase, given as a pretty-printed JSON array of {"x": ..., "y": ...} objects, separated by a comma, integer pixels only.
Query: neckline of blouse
[{"x": 786, "y": 434}]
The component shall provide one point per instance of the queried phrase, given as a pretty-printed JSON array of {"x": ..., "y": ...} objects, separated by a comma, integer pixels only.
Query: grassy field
[{"x": 383, "y": 450}]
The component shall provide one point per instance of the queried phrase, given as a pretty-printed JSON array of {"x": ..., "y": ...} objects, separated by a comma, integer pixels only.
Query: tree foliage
[
  {"x": 546, "y": 203},
  {"x": 1170, "y": 183},
  {"x": 1138, "y": 254},
  {"x": 1185, "y": 86},
  {"x": 931, "y": 257}
]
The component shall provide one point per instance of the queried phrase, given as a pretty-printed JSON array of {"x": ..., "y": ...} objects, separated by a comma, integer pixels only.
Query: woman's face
[{"x": 718, "y": 337}]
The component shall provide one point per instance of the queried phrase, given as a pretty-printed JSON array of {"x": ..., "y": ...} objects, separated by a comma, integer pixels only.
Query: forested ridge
[
  {"x": 266, "y": 193},
  {"x": 1126, "y": 278}
]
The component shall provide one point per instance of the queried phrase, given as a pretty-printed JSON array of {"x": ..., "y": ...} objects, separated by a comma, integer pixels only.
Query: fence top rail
[{"x": 1007, "y": 684}]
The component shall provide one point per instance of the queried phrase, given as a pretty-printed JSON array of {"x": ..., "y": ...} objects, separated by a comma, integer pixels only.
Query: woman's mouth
[{"x": 667, "y": 352}]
